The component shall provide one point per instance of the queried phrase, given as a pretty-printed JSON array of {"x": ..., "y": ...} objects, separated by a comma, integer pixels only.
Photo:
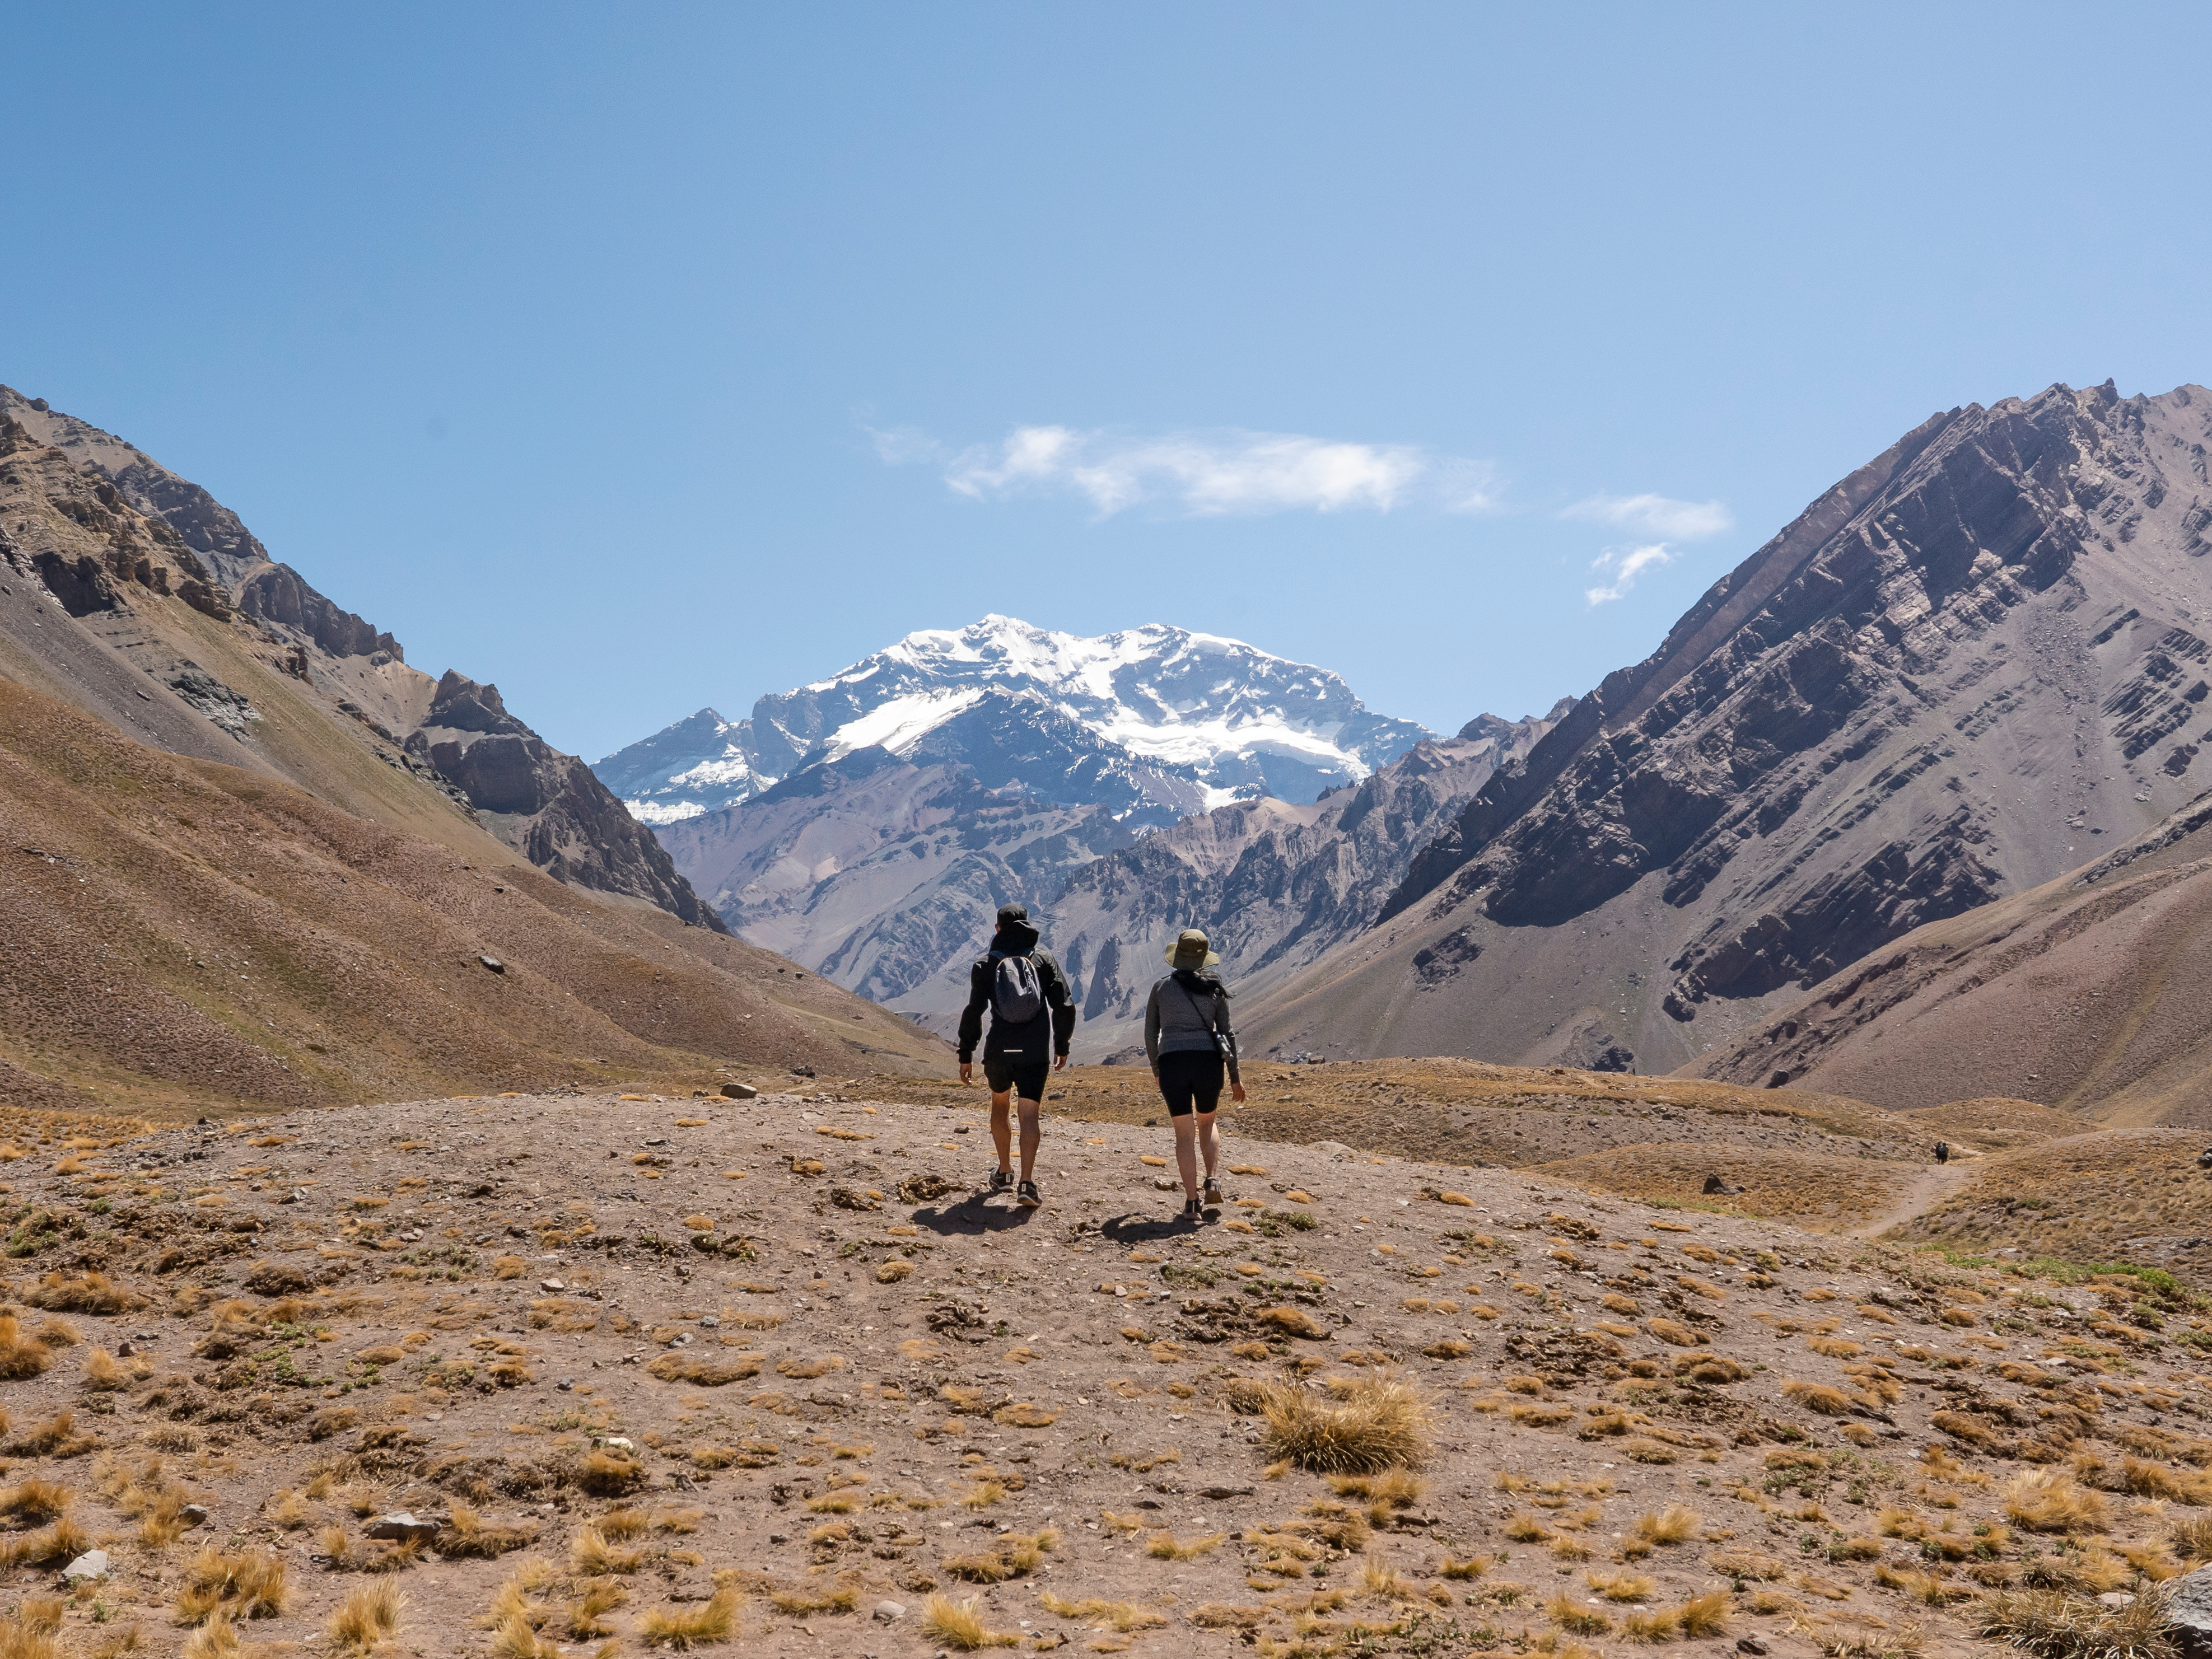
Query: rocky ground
[{"x": 625, "y": 1355}]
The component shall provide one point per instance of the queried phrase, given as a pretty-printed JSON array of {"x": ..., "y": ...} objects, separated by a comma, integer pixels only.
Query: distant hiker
[
  {"x": 1942, "y": 1152},
  {"x": 1032, "y": 1019},
  {"x": 1187, "y": 1037}
]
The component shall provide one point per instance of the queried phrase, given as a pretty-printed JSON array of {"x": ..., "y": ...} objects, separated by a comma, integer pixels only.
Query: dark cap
[{"x": 1012, "y": 912}]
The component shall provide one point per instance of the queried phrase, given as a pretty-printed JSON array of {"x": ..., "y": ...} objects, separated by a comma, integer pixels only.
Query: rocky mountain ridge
[
  {"x": 1954, "y": 675},
  {"x": 884, "y": 873},
  {"x": 110, "y": 535},
  {"x": 1154, "y": 722}
]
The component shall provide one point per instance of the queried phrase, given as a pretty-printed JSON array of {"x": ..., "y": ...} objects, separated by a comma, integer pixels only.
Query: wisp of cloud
[
  {"x": 1627, "y": 564},
  {"x": 1205, "y": 474},
  {"x": 1656, "y": 515}
]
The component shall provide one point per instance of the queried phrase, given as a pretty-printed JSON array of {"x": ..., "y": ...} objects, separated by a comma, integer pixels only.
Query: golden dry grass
[
  {"x": 1166, "y": 1547},
  {"x": 22, "y": 1356},
  {"x": 705, "y": 1370},
  {"x": 2045, "y": 1500},
  {"x": 841, "y": 1598},
  {"x": 2050, "y": 1625},
  {"x": 960, "y": 1625},
  {"x": 1121, "y": 1617},
  {"x": 1361, "y": 1427},
  {"x": 250, "y": 1585},
  {"x": 367, "y": 1618},
  {"x": 683, "y": 1628}
]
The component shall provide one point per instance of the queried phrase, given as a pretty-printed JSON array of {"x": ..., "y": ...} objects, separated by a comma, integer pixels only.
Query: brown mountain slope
[
  {"x": 135, "y": 595},
  {"x": 2092, "y": 992},
  {"x": 1946, "y": 681},
  {"x": 184, "y": 936}
]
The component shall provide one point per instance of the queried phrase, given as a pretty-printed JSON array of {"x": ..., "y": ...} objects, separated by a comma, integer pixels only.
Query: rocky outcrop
[
  {"x": 278, "y": 593},
  {"x": 1953, "y": 672},
  {"x": 546, "y": 804},
  {"x": 1274, "y": 886},
  {"x": 125, "y": 548}
]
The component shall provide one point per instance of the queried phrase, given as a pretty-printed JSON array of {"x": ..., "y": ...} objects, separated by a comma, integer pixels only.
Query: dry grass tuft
[
  {"x": 1575, "y": 1617},
  {"x": 1166, "y": 1547},
  {"x": 55, "y": 1438},
  {"x": 843, "y": 1599},
  {"x": 1672, "y": 1525},
  {"x": 1622, "y": 1586},
  {"x": 704, "y": 1371},
  {"x": 32, "y": 1500},
  {"x": 2052, "y": 1625},
  {"x": 699, "y": 1626},
  {"x": 1818, "y": 1397},
  {"x": 368, "y": 1617},
  {"x": 56, "y": 1545},
  {"x": 93, "y": 1293},
  {"x": 960, "y": 1625},
  {"x": 593, "y": 1555},
  {"x": 1013, "y": 1555},
  {"x": 2190, "y": 1537},
  {"x": 1372, "y": 1423},
  {"x": 468, "y": 1534},
  {"x": 1126, "y": 1616},
  {"x": 2043, "y": 1500},
  {"x": 216, "y": 1580}
]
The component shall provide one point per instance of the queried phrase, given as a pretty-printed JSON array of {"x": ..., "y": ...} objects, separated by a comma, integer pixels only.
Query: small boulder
[
  {"x": 401, "y": 1528},
  {"x": 87, "y": 1569},
  {"x": 739, "y": 1091},
  {"x": 2189, "y": 1612},
  {"x": 494, "y": 963},
  {"x": 193, "y": 1515},
  {"x": 890, "y": 1613}
]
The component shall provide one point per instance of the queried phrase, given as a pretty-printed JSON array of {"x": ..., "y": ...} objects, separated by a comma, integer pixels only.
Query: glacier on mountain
[{"x": 1156, "y": 722}]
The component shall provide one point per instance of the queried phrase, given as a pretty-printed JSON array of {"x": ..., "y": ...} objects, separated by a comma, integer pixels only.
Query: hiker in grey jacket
[
  {"x": 1032, "y": 1022},
  {"x": 1190, "y": 1044}
]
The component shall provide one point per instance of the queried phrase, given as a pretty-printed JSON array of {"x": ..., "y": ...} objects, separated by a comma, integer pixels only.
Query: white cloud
[
  {"x": 1627, "y": 564},
  {"x": 1656, "y": 515},
  {"x": 1205, "y": 474}
]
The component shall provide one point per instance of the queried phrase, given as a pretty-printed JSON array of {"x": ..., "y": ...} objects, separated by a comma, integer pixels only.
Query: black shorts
[
  {"x": 1191, "y": 1082},
  {"x": 1024, "y": 1076}
]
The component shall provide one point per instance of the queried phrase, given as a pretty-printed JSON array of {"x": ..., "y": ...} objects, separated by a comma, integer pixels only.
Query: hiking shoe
[
  {"x": 1027, "y": 1195},
  {"x": 1194, "y": 1209},
  {"x": 1211, "y": 1198},
  {"x": 1002, "y": 1181}
]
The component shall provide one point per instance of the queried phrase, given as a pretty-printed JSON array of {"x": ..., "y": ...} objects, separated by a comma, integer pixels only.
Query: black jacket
[{"x": 1028, "y": 1042}]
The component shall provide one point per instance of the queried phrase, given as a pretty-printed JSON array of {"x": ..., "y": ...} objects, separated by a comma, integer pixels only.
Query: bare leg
[
  {"x": 1002, "y": 1131},
  {"x": 1209, "y": 1144},
  {"x": 1032, "y": 1133},
  {"x": 1185, "y": 1133}
]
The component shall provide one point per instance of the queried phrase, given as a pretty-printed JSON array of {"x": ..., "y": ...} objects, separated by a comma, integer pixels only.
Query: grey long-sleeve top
[{"x": 1182, "y": 1012}]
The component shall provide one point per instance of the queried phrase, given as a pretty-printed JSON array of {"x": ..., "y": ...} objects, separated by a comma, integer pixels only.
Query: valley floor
[{"x": 655, "y": 1363}]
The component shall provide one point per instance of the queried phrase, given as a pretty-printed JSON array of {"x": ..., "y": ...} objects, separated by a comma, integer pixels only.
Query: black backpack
[{"x": 1016, "y": 991}]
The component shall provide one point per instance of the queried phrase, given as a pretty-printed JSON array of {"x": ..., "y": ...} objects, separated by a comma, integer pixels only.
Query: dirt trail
[{"x": 1925, "y": 1191}]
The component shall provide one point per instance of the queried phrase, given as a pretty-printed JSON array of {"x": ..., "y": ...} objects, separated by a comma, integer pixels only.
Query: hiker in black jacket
[{"x": 1032, "y": 1020}]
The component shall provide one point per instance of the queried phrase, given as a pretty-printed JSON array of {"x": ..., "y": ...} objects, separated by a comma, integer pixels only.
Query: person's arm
[
  {"x": 1061, "y": 999},
  {"x": 1228, "y": 1041},
  {"x": 971, "y": 1016},
  {"x": 1152, "y": 1029}
]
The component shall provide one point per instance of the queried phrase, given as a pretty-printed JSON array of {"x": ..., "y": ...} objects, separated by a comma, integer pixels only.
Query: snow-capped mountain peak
[{"x": 1155, "y": 720}]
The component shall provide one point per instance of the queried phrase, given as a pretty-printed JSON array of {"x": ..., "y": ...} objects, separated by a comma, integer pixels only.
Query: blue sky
[{"x": 647, "y": 357}]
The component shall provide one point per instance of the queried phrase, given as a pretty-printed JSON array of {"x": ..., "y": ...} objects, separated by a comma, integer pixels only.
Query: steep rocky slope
[
  {"x": 1156, "y": 722},
  {"x": 147, "y": 603},
  {"x": 1274, "y": 885},
  {"x": 883, "y": 873},
  {"x": 184, "y": 936},
  {"x": 1950, "y": 679},
  {"x": 785, "y": 1358},
  {"x": 2093, "y": 993}
]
